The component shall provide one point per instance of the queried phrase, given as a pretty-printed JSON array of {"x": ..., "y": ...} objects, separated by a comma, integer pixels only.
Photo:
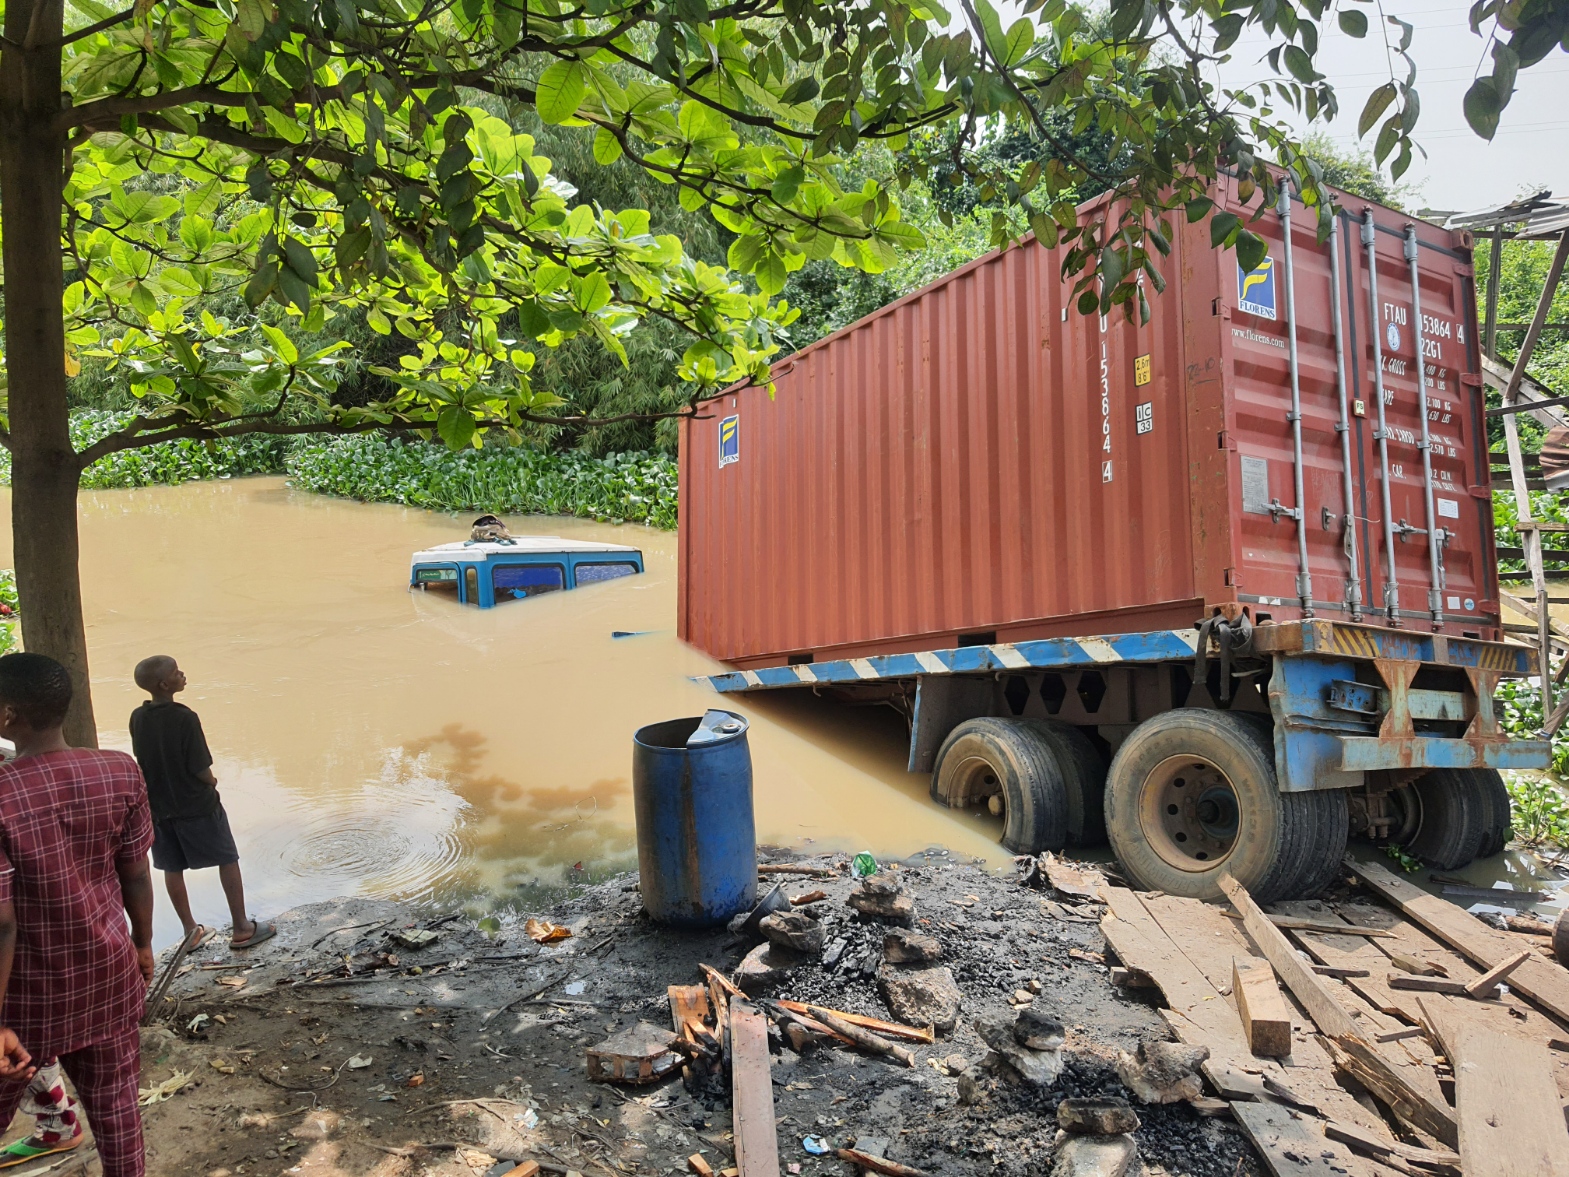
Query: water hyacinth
[
  {"x": 618, "y": 488},
  {"x": 168, "y": 462}
]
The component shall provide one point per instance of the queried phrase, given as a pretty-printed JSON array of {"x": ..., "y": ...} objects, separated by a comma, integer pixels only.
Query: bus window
[
  {"x": 514, "y": 582},
  {"x": 589, "y": 573},
  {"x": 471, "y": 585},
  {"x": 441, "y": 581}
]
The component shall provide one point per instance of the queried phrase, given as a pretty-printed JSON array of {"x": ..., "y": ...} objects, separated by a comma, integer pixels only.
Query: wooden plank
[
  {"x": 1265, "y": 1019},
  {"x": 1487, "y": 984},
  {"x": 1308, "y": 924},
  {"x": 1511, "y": 1123},
  {"x": 1293, "y": 1144},
  {"x": 1537, "y": 979},
  {"x": 891, "y": 1029},
  {"x": 1315, "y": 994},
  {"x": 1360, "y": 1140},
  {"x": 1209, "y": 944},
  {"x": 1425, "y": 984},
  {"x": 752, "y": 1093}
]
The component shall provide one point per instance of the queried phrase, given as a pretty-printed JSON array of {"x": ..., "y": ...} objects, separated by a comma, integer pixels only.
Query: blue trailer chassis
[{"x": 1346, "y": 699}]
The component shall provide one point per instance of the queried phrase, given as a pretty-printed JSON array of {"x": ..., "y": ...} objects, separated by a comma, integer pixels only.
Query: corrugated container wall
[{"x": 980, "y": 462}]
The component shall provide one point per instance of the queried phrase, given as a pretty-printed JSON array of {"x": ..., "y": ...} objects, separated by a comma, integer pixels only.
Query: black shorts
[{"x": 192, "y": 843}]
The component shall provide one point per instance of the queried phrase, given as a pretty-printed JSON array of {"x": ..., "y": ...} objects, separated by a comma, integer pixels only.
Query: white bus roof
[{"x": 522, "y": 545}]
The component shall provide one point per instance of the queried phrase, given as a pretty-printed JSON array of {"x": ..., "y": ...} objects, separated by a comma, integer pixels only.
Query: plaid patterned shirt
[{"x": 66, "y": 819}]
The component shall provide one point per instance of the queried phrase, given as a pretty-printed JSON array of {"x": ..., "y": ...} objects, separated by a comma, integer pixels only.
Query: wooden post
[
  {"x": 1531, "y": 537},
  {"x": 1265, "y": 1019},
  {"x": 1490, "y": 323}
]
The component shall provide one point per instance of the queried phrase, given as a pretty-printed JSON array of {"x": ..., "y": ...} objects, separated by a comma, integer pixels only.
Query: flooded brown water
[{"x": 369, "y": 740}]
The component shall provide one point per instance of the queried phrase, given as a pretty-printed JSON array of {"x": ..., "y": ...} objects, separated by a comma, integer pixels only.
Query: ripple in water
[{"x": 397, "y": 837}]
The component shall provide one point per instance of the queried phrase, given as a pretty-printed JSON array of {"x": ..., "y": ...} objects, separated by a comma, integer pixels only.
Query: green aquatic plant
[
  {"x": 1538, "y": 811},
  {"x": 1407, "y": 862},
  {"x": 618, "y": 488}
]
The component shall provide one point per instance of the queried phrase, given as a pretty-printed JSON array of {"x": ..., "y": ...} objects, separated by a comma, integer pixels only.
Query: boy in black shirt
[{"x": 190, "y": 828}]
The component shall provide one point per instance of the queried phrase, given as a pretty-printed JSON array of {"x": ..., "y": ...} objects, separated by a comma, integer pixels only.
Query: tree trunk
[{"x": 44, "y": 467}]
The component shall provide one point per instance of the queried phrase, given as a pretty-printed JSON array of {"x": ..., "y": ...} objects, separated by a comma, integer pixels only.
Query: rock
[
  {"x": 1034, "y": 986},
  {"x": 1040, "y": 1067},
  {"x": 883, "y": 899},
  {"x": 901, "y": 947},
  {"x": 956, "y": 1064},
  {"x": 1095, "y": 1156},
  {"x": 1097, "y": 1117},
  {"x": 795, "y": 931},
  {"x": 1163, "y": 1072},
  {"x": 834, "y": 951},
  {"x": 319, "y": 1125},
  {"x": 974, "y": 1086},
  {"x": 1038, "y": 1031},
  {"x": 921, "y": 997},
  {"x": 765, "y": 968},
  {"x": 1022, "y": 997}
]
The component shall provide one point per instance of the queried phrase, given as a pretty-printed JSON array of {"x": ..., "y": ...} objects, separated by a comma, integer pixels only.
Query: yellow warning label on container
[{"x": 1141, "y": 371}]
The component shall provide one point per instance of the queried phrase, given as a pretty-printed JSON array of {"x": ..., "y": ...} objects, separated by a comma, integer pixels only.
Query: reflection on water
[{"x": 376, "y": 741}]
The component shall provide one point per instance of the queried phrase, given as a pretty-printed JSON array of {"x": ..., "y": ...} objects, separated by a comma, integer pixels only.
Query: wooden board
[
  {"x": 1294, "y": 1145},
  {"x": 752, "y": 1092},
  {"x": 1539, "y": 979},
  {"x": 1265, "y": 1019},
  {"x": 1191, "y": 977},
  {"x": 1411, "y": 1101},
  {"x": 1511, "y": 1123}
]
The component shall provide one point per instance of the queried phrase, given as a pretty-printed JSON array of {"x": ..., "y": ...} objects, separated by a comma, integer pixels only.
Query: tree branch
[{"x": 107, "y": 22}]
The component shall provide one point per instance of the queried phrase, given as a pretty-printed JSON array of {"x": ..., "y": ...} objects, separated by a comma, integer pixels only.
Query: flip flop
[
  {"x": 263, "y": 932},
  {"x": 201, "y": 934},
  {"x": 20, "y": 1151}
]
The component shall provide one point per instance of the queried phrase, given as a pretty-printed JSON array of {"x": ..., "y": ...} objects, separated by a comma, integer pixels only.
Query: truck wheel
[
  {"x": 1489, "y": 782},
  {"x": 1192, "y": 795},
  {"x": 1011, "y": 760},
  {"x": 1447, "y": 816},
  {"x": 1083, "y": 777}
]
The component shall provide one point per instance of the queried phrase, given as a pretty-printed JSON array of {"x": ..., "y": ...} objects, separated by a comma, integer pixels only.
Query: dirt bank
[{"x": 473, "y": 1045}]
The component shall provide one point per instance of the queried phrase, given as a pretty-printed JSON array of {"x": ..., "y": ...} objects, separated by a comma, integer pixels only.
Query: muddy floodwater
[{"x": 373, "y": 741}]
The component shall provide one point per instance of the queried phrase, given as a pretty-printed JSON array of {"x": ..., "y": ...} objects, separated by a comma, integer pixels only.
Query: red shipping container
[{"x": 978, "y": 462}]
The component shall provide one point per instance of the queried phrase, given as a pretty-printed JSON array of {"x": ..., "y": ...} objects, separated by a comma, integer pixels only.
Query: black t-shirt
[{"x": 169, "y": 745}]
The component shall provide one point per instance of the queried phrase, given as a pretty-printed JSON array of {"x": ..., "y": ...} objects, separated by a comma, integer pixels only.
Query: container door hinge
[
  {"x": 1471, "y": 379},
  {"x": 1231, "y": 577}
]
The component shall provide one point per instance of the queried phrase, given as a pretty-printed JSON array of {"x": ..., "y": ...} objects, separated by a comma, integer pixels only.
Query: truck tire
[
  {"x": 1447, "y": 817},
  {"x": 1083, "y": 778},
  {"x": 1013, "y": 760},
  {"x": 1192, "y": 795},
  {"x": 1489, "y": 782}
]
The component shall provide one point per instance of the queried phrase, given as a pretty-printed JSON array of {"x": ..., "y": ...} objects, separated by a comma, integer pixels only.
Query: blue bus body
[{"x": 497, "y": 572}]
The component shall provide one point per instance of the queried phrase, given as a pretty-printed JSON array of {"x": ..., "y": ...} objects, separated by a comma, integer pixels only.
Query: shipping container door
[{"x": 1384, "y": 361}]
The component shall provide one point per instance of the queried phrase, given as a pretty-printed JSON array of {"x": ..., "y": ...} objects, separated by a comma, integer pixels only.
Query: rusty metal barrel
[{"x": 696, "y": 841}]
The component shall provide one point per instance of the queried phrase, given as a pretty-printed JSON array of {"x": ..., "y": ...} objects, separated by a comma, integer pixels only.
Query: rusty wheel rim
[
  {"x": 974, "y": 781},
  {"x": 1188, "y": 813}
]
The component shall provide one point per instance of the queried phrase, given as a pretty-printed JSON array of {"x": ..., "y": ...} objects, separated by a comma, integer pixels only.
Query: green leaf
[
  {"x": 1300, "y": 64},
  {"x": 1377, "y": 102},
  {"x": 607, "y": 148},
  {"x": 456, "y": 427},
  {"x": 1018, "y": 42},
  {"x": 1198, "y": 209},
  {"x": 1352, "y": 23},
  {"x": 1482, "y": 107},
  {"x": 787, "y": 184},
  {"x": 770, "y": 274},
  {"x": 561, "y": 90},
  {"x": 250, "y": 17},
  {"x": 1251, "y": 250},
  {"x": 1221, "y": 226}
]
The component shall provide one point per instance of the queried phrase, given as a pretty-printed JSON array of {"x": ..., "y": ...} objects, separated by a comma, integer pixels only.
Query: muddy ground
[{"x": 441, "y": 1058}]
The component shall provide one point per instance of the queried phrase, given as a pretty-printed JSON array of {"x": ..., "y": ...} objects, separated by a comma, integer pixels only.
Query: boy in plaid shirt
[{"x": 76, "y": 911}]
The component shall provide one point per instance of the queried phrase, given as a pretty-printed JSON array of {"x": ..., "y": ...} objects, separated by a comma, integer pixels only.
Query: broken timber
[
  {"x": 1190, "y": 978},
  {"x": 1511, "y": 1121},
  {"x": 752, "y": 1093},
  {"x": 1265, "y": 1019},
  {"x": 1354, "y": 1054},
  {"x": 1538, "y": 979},
  {"x": 1278, "y": 1132}
]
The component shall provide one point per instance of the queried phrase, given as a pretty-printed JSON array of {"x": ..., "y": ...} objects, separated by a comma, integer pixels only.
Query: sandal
[
  {"x": 201, "y": 934},
  {"x": 262, "y": 931},
  {"x": 20, "y": 1151}
]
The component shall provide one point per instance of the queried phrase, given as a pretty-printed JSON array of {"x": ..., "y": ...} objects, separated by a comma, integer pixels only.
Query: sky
[{"x": 1530, "y": 150}]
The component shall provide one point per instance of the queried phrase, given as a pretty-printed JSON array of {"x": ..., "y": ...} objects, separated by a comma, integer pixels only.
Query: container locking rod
[
  {"x": 1435, "y": 595},
  {"x": 1392, "y": 578},
  {"x": 1304, "y": 577},
  {"x": 1343, "y": 426}
]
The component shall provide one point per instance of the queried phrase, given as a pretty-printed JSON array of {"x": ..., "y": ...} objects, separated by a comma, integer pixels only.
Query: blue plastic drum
[{"x": 696, "y": 842}]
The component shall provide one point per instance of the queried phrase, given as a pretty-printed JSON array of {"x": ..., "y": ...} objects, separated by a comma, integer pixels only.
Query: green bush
[
  {"x": 617, "y": 488},
  {"x": 1538, "y": 811},
  {"x": 167, "y": 462}
]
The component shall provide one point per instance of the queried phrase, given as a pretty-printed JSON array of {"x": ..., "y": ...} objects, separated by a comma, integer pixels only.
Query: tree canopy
[{"x": 244, "y": 181}]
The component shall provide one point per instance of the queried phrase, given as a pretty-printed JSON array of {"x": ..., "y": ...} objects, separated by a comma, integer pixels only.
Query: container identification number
[{"x": 1105, "y": 404}]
